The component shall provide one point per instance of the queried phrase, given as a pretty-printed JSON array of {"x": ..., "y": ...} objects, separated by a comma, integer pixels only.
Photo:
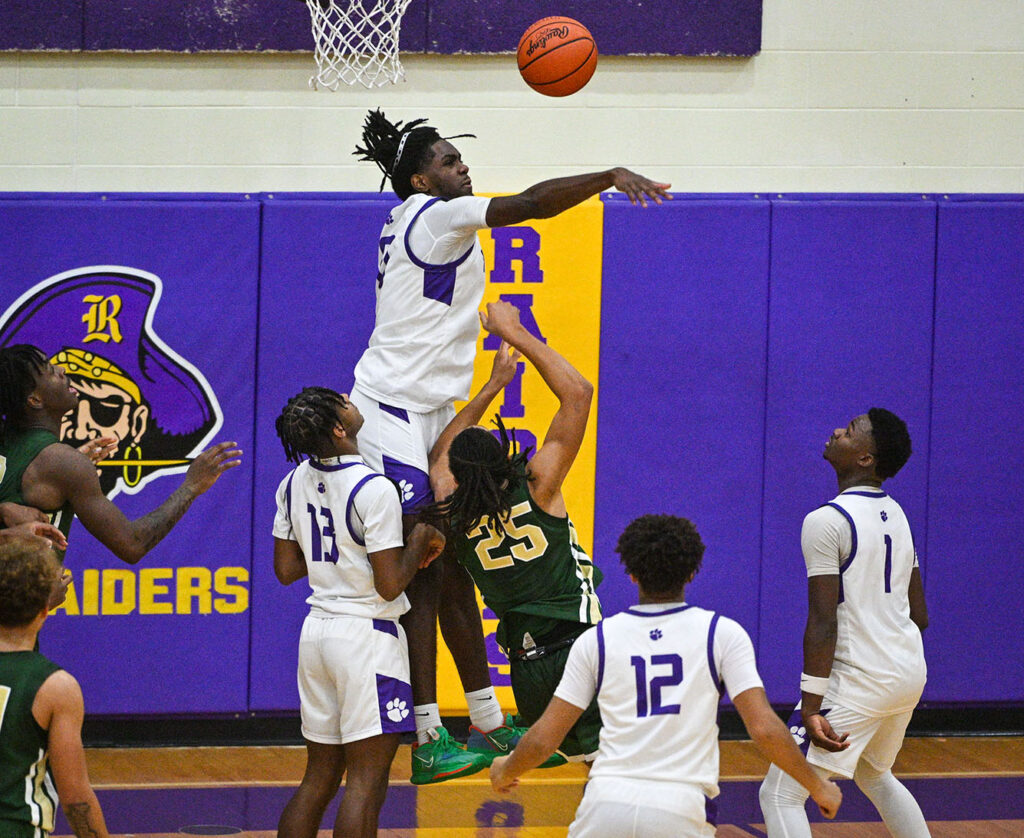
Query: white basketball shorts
[
  {"x": 877, "y": 739},
  {"x": 397, "y": 442},
  {"x": 353, "y": 679},
  {"x": 622, "y": 807}
]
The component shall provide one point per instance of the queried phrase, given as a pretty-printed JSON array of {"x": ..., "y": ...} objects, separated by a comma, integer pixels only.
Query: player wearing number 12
[
  {"x": 512, "y": 532},
  {"x": 864, "y": 667}
]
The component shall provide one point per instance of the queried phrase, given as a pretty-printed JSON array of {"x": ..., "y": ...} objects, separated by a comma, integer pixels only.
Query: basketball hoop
[{"x": 356, "y": 41}]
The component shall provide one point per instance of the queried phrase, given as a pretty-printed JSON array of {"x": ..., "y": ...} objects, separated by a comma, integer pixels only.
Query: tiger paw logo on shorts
[
  {"x": 97, "y": 323},
  {"x": 396, "y": 710}
]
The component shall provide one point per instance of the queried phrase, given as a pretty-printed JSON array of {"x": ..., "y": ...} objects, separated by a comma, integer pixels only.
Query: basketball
[{"x": 557, "y": 56}]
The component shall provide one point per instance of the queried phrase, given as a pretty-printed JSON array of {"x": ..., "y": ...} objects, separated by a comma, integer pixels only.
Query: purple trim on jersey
[
  {"x": 352, "y": 502},
  {"x": 413, "y": 484},
  {"x": 386, "y": 626},
  {"x": 394, "y": 701},
  {"x": 600, "y": 656},
  {"x": 853, "y": 547},
  {"x": 336, "y": 467},
  {"x": 400, "y": 412},
  {"x": 711, "y": 811},
  {"x": 657, "y": 613},
  {"x": 288, "y": 494},
  {"x": 438, "y": 280},
  {"x": 711, "y": 656},
  {"x": 878, "y": 494}
]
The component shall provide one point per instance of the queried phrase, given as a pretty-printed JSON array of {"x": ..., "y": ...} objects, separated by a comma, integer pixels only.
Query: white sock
[
  {"x": 484, "y": 710},
  {"x": 894, "y": 802},
  {"x": 782, "y": 803},
  {"x": 428, "y": 716}
]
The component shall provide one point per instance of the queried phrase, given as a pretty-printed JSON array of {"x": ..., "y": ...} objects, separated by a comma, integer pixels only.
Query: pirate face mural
[{"x": 96, "y": 324}]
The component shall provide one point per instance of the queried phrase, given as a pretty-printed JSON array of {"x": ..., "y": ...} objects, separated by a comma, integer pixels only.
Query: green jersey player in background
[{"x": 513, "y": 535}]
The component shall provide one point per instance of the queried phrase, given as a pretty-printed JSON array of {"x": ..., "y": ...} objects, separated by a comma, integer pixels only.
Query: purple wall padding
[
  {"x": 316, "y": 314},
  {"x": 976, "y": 484},
  {"x": 205, "y": 254},
  {"x": 684, "y": 314},
  {"x": 619, "y": 27},
  {"x": 850, "y": 329},
  {"x": 29, "y": 25},
  {"x": 669, "y": 27}
]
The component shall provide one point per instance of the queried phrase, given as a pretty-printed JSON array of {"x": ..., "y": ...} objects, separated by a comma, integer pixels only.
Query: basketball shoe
[
  {"x": 500, "y": 742},
  {"x": 442, "y": 758}
]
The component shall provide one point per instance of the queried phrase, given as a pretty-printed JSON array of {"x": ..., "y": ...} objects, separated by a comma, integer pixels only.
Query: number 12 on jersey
[{"x": 649, "y": 697}]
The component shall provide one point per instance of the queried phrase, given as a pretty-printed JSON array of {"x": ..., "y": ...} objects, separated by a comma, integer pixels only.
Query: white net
[{"x": 356, "y": 41}]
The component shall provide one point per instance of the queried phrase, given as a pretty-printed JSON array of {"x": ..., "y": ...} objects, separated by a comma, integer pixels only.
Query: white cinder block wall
[{"x": 859, "y": 96}]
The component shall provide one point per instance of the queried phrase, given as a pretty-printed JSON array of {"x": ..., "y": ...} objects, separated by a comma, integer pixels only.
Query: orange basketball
[{"x": 557, "y": 56}]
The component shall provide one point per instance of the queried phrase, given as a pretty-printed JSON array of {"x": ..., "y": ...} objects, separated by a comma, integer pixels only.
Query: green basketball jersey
[
  {"x": 20, "y": 449},
  {"x": 534, "y": 576},
  {"x": 28, "y": 799}
]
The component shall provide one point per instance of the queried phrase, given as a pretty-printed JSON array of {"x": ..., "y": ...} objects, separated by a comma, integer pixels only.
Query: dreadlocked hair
[
  {"x": 487, "y": 471},
  {"x": 399, "y": 151},
  {"x": 20, "y": 367},
  {"x": 892, "y": 441},
  {"x": 306, "y": 422}
]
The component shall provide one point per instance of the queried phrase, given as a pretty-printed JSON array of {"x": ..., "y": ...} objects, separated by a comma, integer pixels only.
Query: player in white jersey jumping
[
  {"x": 340, "y": 523},
  {"x": 864, "y": 667},
  {"x": 430, "y": 281},
  {"x": 659, "y": 670}
]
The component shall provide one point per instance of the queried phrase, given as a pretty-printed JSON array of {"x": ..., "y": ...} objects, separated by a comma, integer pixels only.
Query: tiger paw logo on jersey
[
  {"x": 396, "y": 710},
  {"x": 656, "y": 634},
  {"x": 97, "y": 324},
  {"x": 885, "y": 516}
]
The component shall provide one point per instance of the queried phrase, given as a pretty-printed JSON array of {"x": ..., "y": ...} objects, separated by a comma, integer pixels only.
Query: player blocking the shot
[
  {"x": 339, "y": 523},
  {"x": 864, "y": 668},
  {"x": 430, "y": 282},
  {"x": 658, "y": 670}
]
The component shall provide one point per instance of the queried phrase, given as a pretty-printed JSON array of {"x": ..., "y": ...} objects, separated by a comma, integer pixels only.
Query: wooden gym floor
[{"x": 971, "y": 787}]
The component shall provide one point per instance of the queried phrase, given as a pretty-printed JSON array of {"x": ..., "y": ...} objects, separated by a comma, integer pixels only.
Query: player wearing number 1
[
  {"x": 658, "y": 670},
  {"x": 512, "y": 533},
  {"x": 864, "y": 667}
]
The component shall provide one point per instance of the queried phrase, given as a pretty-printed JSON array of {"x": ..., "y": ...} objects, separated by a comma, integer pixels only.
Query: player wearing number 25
[
  {"x": 658, "y": 670},
  {"x": 864, "y": 667},
  {"x": 512, "y": 532}
]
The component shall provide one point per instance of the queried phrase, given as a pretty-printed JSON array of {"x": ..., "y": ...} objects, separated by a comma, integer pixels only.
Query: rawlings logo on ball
[{"x": 540, "y": 40}]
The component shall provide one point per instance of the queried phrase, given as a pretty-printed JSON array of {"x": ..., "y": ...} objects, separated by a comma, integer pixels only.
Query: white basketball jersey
[
  {"x": 339, "y": 511},
  {"x": 879, "y": 666},
  {"x": 658, "y": 672},
  {"x": 430, "y": 281}
]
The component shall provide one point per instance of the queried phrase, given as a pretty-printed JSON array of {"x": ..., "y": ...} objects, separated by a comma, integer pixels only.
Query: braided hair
[
  {"x": 400, "y": 151},
  {"x": 662, "y": 552},
  {"x": 304, "y": 426},
  {"x": 487, "y": 471},
  {"x": 20, "y": 368}
]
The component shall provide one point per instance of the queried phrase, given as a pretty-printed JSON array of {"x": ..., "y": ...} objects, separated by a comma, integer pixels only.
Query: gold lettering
[
  {"x": 149, "y": 590},
  {"x": 90, "y": 593},
  {"x": 117, "y": 581},
  {"x": 222, "y": 583},
  {"x": 194, "y": 583},
  {"x": 101, "y": 318},
  {"x": 70, "y": 604}
]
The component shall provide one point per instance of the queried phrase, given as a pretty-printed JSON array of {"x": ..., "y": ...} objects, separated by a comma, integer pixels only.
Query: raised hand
[
  {"x": 210, "y": 465},
  {"x": 100, "y": 448},
  {"x": 638, "y": 188},
  {"x": 504, "y": 368},
  {"x": 501, "y": 319}
]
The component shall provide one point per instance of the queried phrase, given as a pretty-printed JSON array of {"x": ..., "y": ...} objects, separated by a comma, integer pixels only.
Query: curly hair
[
  {"x": 892, "y": 442},
  {"x": 28, "y": 572},
  {"x": 304, "y": 426},
  {"x": 400, "y": 151},
  {"x": 662, "y": 552},
  {"x": 487, "y": 471},
  {"x": 20, "y": 368}
]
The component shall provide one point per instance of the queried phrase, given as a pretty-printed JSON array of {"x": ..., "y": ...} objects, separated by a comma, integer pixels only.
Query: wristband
[{"x": 813, "y": 684}]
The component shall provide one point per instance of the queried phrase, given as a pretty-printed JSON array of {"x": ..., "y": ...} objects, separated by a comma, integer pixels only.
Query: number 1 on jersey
[{"x": 888, "y": 563}]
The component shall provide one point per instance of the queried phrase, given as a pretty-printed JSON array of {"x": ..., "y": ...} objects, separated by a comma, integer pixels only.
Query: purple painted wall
[{"x": 620, "y": 27}]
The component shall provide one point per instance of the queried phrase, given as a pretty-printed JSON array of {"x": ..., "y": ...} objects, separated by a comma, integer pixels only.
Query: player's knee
[
  {"x": 869, "y": 779},
  {"x": 780, "y": 790}
]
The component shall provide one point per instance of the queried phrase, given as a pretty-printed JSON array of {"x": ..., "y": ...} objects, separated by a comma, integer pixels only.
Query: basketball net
[{"x": 356, "y": 41}]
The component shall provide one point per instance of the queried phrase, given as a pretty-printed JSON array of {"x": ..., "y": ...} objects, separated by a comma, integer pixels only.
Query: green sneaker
[
  {"x": 500, "y": 742},
  {"x": 442, "y": 758}
]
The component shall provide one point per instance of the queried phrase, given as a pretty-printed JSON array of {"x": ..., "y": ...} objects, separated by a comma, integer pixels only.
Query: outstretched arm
[
  {"x": 58, "y": 708},
  {"x": 552, "y": 461},
  {"x": 61, "y": 474},
  {"x": 774, "y": 740},
  {"x": 502, "y": 372},
  {"x": 550, "y": 197},
  {"x": 537, "y": 744}
]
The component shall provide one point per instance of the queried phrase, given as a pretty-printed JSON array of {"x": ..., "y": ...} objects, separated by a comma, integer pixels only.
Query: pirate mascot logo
[{"x": 97, "y": 324}]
